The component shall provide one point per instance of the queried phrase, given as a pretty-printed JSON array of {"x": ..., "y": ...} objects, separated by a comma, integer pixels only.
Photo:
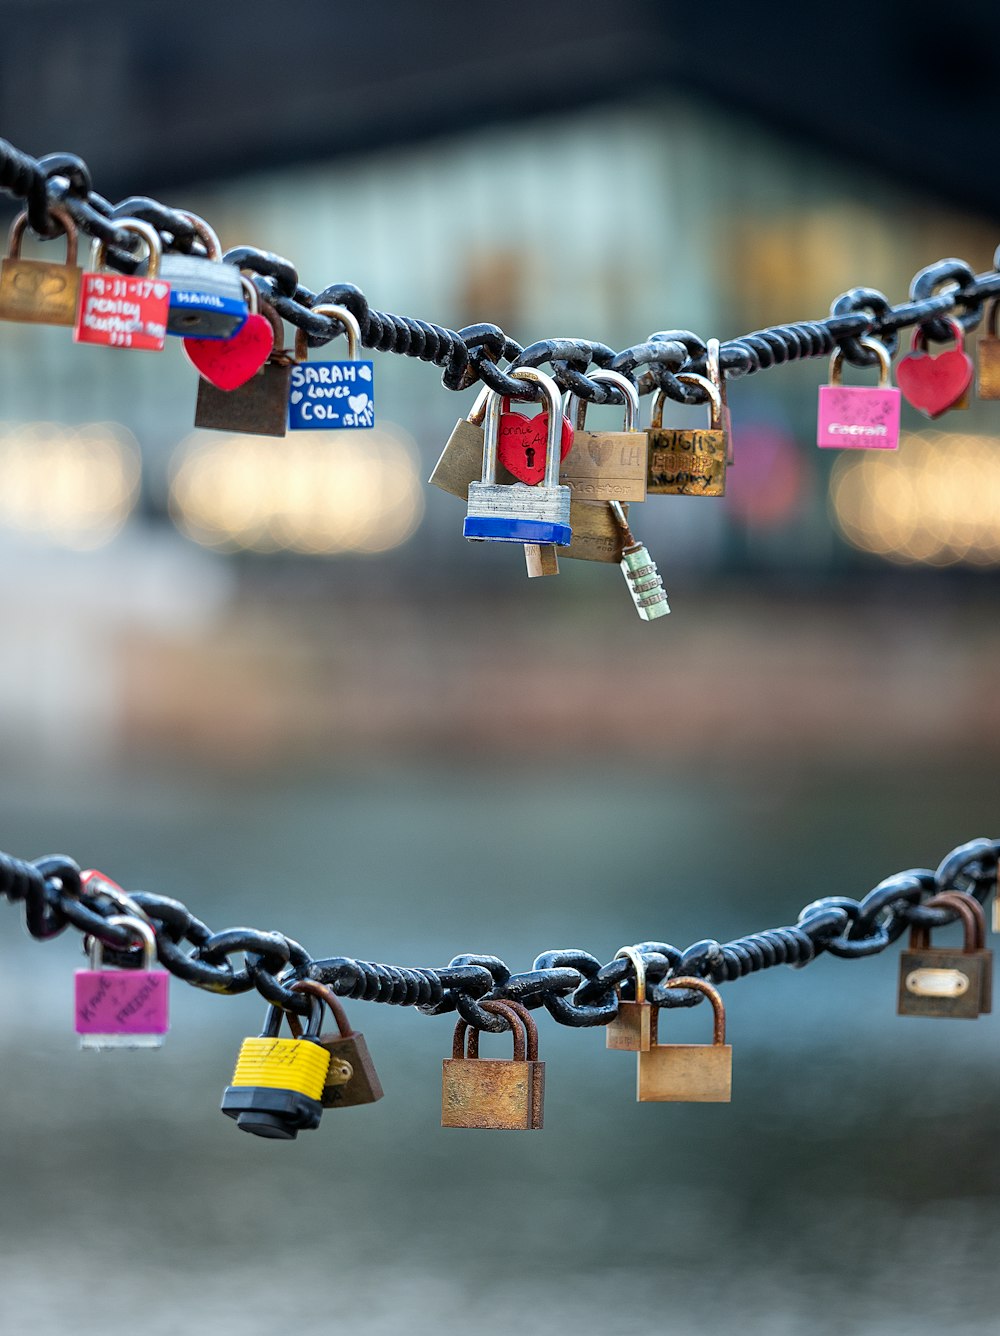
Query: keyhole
[{"x": 529, "y": 455}]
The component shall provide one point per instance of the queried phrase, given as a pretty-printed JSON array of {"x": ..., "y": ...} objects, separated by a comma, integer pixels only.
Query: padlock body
[
  {"x": 597, "y": 535},
  {"x": 989, "y": 367},
  {"x": 631, "y": 1030},
  {"x": 686, "y": 462},
  {"x": 122, "y": 1008},
  {"x": 518, "y": 514},
  {"x": 461, "y": 461},
  {"x": 258, "y": 408},
  {"x": 686, "y": 1073},
  {"x": 206, "y": 298},
  {"x": 364, "y": 1086},
  {"x": 858, "y": 417},
  {"x": 38, "y": 293},
  {"x": 492, "y": 1093},
  {"x": 331, "y": 396},
  {"x": 606, "y": 466},
  {"x": 936, "y": 982}
]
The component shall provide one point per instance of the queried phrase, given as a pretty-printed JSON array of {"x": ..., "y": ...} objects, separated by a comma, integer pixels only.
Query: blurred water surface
[{"x": 849, "y": 1187}]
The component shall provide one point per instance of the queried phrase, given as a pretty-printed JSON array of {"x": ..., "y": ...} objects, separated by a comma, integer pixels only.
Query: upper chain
[
  {"x": 948, "y": 289},
  {"x": 573, "y": 985}
]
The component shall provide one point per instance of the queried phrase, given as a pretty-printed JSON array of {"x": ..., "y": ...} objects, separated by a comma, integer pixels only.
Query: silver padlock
[
  {"x": 206, "y": 295},
  {"x": 517, "y": 513}
]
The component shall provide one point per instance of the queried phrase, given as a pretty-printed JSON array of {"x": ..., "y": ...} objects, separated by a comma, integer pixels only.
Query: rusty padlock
[
  {"x": 489, "y": 1093},
  {"x": 258, "y": 407},
  {"x": 632, "y": 1029},
  {"x": 700, "y": 1073},
  {"x": 963, "y": 901},
  {"x": 939, "y": 981},
  {"x": 352, "y": 1078}
]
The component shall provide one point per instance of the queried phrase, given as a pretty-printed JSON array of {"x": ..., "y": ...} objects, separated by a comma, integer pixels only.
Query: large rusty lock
[
  {"x": 942, "y": 982},
  {"x": 505, "y": 1095},
  {"x": 38, "y": 292},
  {"x": 351, "y": 1078},
  {"x": 700, "y": 1073}
]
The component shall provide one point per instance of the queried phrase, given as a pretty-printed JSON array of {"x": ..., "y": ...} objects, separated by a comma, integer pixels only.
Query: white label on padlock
[{"x": 937, "y": 983}]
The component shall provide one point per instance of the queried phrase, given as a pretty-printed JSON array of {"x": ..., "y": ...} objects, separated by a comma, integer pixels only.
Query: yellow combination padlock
[{"x": 277, "y": 1087}]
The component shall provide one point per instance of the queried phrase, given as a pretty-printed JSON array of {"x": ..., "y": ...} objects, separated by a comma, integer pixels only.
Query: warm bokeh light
[
  {"x": 74, "y": 486},
  {"x": 317, "y": 493},
  {"x": 936, "y": 500}
]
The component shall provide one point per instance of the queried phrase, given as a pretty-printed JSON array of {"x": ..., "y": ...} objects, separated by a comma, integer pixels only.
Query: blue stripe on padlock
[
  {"x": 191, "y": 300},
  {"x": 499, "y": 530}
]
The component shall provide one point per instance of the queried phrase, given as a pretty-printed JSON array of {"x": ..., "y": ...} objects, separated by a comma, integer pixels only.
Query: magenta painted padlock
[
  {"x": 859, "y": 417},
  {"x": 122, "y": 1008}
]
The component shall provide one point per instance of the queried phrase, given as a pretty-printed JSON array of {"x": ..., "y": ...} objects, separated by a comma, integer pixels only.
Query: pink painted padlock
[
  {"x": 859, "y": 417},
  {"x": 122, "y": 1008}
]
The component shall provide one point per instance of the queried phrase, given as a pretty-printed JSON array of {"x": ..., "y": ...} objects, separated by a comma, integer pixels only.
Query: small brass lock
[
  {"x": 686, "y": 461},
  {"x": 38, "y": 292},
  {"x": 940, "y": 982},
  {"x": 989, "y": 356},
  {"x": 700, "y": 1073},
  {"x": 487, "y": 1093},
  {"x": 352, "y": 1078},
  {"x": 258, "y": 407},
  {"x": 632, "y": 1029}
]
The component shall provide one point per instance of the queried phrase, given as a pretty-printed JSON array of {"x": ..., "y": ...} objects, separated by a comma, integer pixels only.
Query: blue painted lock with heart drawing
[{"x": 331, "y": 396}]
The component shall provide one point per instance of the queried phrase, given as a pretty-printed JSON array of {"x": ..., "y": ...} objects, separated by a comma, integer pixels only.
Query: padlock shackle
[
  {"x": 991, "y": 318},
  {"x": 252, "y": 295},
  {"x": 576, "y": 408},
  {"x": 138, "y": 928},
  {"x": 346, "y": 318},
  {"x": 553, "y": 439},
  {"x": 316, "y": 989},
  {"x": 148, "y": 234},
  {"x": 638, "y": 965},
  {"x": 272, "y": 1021},
  {"x": 973, "y": 925},
  {"x": 968, "y": 904},
  {"x": 465, "y": 1041},
  {"x": 718, "y": 1009},
  {"x": 713, "y": 367},
  {"x": 16, "y": 234},
  {"x": 918, "y": 344},
  {"x": 690, "y": 378},
  {"x": 207, "y": 235},
  {"x": 279, "y": 354},
  {"x": 873, "y": 346}
]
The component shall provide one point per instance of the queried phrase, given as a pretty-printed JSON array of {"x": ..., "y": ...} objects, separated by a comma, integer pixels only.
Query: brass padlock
[
  {"x": 352, "y": 1078},
  {"x": 699, "y": 1073},
  {"x": 941, "y": 982},
  {"x": 38, "y": 292},
  {"x": 607, "y": 465},
  {"x": 487, "y": 1093},
  {"x": 632, "y": 1029},
  {"x": 461, "y": 460},
  {"x": 597, "y": 534},
  {"x": 988, "y": 386},
  {"x": 684, "y": 461},
  {"x": 259, "y": 407}
]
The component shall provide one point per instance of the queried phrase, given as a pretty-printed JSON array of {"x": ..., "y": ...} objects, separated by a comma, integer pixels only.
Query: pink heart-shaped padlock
[
  {"x": 229, "y": 363},
  {"x": 521, "y": 445},
  {"x": 934, "y": 384}
]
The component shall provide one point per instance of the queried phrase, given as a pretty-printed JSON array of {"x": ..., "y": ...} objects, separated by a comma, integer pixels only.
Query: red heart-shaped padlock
[
  {"x": 934, "y": 384},
  {"x": 229, "y": 363},
  {"x": 521, "y": 444}
]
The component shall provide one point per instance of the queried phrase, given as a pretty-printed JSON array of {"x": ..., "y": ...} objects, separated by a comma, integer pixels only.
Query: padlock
[
  {"x": 520, "y": 513},
  {"x": 859, "y": 417},
  {"x": 631, "y": 1030},
  {"x": 331, "y": 396},
  {"x": 639, "y": 568},
  {"x": 988, "y": 386},
  {"x": 259, "y": 407},
  {"x": 38, "y": 292},
  {"x": 229, "y": 363},
  {"x": 684, "y": 461},
  {"x": 352, "y": 1078},
  {"x": 597, "y": 534},
  {"x": 278, "y": 1084},
  {"x": 695, "y": 1073},
  {"x": 968, "y": 904},
  {"x": 487, "y": 1093},
  {"x": 933, "y": 383},
  {"x": 940, "y": 982},
  {"x": 996, "y": 902},
  {"x": 206, "y": 295},
  {"x": 123, "y": 1008},
  {"x": 120, "y": 310},
  {"x": 606, "y": 465}
]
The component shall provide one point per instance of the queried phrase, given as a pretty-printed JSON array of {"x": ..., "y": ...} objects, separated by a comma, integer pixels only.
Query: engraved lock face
[
  {"x": 38, "y": 292},
  {"x": 686, "y": 461},
  {"x": 597, "y": 536},
  {"x": 494, "y": 1094},
  {"x": 328, "y": 395},
  {"x": 607, "y": 465},
  {"x": 122, "y": 1008},
  {"x": 859, "y": 417},
  {"x": 696, "y": 1073}
]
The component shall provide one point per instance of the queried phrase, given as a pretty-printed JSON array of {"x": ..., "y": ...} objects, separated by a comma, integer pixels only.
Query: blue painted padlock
[
  {"x": 331, "y": 396},
  {"x": 206, "y": 295}
]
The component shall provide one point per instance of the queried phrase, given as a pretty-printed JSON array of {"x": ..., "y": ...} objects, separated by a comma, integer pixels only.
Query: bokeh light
[
  {"x": 315, "y": 493},
  {"x": 72, "y": 486},
  {"x": 935, "y": 501}
]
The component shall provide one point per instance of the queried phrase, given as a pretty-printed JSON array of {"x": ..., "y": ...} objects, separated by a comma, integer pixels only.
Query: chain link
[
  {"x": 948, "y": 290},
  {"x": 573, "y": 986}
]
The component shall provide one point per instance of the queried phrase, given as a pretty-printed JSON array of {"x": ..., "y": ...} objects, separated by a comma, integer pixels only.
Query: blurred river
[{"x": 850, "y": 1186}]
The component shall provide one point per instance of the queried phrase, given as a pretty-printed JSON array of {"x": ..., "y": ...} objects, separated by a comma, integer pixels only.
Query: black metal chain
[
  {"x": 948, "y": 290},
  {"x": 575, "y": 988}
]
